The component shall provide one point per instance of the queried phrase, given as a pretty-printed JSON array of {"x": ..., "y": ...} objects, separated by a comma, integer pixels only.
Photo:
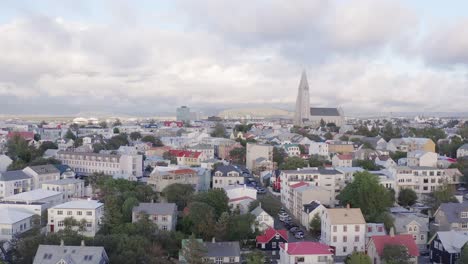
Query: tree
[
  {"x": 344, "y": 138},
  {"x": 316, "y": 161},
  {"x": 222, "y": 226},
  {"x": 201, "y": 219},
  {"x": 398, "y": 155},
  {"x": 216, "y": 198},
  {"x": 358, "y": 258},
  {"x": 117, "y": 122},
  {"x": 293, "y": 163},
  {"x": 240, "y": 227},
  {"x": 135, "y": 135},
  {"x": 443, "y": 194},
  {"x": 193, "y": 251},
  {"x": 315, "y": 224},
  {"x": 70, "y": 135},
  {"x": 302, "y": 149},
  {"x": 365, "y": 192},
  {"x": 279, "y": 155},
  {"x": 47, "y": 145},
  {"x": 463, "y": 255},
  {"x": 395, "y": 254},
  {"x": 389, "y": 131},
  {"x": 116, "y": 130},
  {"x": 169, "y": 156},
  {"x": 255, "y": 257},
  {"x": 328, "y": 136},
  {"x": 178, "y": 193},
  {"x": 152, "y": 139},
  {"x": 219, "y": 130},
  {"x": 238, "y": 155},
  {"x": 430, "y": 132},
  {"x": 127, "y": 208},
  {"x": 103, "y": 124},
  {"x": 407, "y": 197},
  {"x": 368, "y": 165}
]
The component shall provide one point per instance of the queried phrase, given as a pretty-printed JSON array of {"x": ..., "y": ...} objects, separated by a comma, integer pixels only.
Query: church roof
[{"x": 324, "y": 111}]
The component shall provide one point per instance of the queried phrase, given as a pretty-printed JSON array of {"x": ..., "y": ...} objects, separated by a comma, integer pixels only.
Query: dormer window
[{"x": 464, "y": 214}]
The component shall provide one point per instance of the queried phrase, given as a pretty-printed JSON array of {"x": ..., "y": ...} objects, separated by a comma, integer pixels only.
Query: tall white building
[
  {"x": 255, "y": 151},
  {"x": 89, "y": 210},
  {"x": 128, "y": 166}
]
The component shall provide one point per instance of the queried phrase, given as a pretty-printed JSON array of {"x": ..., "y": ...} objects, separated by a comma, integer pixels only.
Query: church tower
[{"x": 302, "y": 102}]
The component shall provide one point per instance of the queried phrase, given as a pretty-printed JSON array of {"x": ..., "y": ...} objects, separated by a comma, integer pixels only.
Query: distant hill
[{"x": 255, "y": 113}]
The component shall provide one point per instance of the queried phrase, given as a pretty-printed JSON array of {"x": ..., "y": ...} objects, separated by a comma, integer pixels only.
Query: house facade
[
  {"x": 445, "y": 246},
  {"x": 14, "y": 182},
  {"x": 72, "y": 188},
  {"x": 305, "y": 252},
  {"x": 263, "y": 220},
  {"x": 41, "y": 174},
  {"x": 161, "y": 177},
  {"x": 226, "y": 175},
  {"x": 164, "y": 215},
  {"x": 376, "y": 245}
]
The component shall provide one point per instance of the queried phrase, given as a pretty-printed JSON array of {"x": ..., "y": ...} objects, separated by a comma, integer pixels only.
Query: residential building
[
  {"x": 420, "y": 158},
  {"x": 206, "y": 149},
  {"x": 328, "y": 179},
  {"x": 14, "y": 182},
  {"x": 89, "y": 210},
  {"x": 446, "y": 246},
  {"x": 240, "y": 197},
  {"x": 164, "y": 215},
  {"x": 309, "y": 211},
  {"x": 271, "y": 239},
  {"x": 118, "y": 165},
  {"x": 215, "y": 252},
  {"x": 462, "y": 151},
  {"x": 451, "y": 216},
  {"x": 161, "y": 177},
  {"x": 376, "y": 245},
  {"x": 342, "y": 160},
  {"x": 52, "y": 254},
  {"x": 344, "y": 229},
  {"x": 72, "y": 188},
  {"x": 318, "y": 148},
  {"x": 414, "y": 224},
  {"x": 305, "y": 252},
  {"x": 5, "y": 161},
  {"x": 255, "y": 151},
  {"x": 292, "y": 150},
  {"x": 225, "y": 175},
  {"x": 263, "y": 164},
  {"x": 41, "y": 174},
  {"x": 410, "y": 144},
  {"x": 385, "y": 161},
  {"x": 50, "y": 198},
  {"x": 263, "y": 220},
  {"x": 188, "y": 158},
  {"x": 341, "y": 147},
  {"x": 374, "y": 229},
  {"x": 14, "y": 222},
  {"x": 183, "y": 114},
  {"x": 304, "y": 193}
]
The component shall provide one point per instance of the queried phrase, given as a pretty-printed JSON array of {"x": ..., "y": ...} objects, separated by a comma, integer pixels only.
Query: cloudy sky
[{"x": 65, "y": 57}]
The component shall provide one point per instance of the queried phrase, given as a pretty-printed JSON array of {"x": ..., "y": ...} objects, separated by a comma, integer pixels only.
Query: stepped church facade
[{"x": 312, "y": 116}]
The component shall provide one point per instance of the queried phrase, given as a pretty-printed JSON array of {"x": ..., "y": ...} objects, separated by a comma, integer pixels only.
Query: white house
[
  {"x": 88, "y": 210},
  {"x": 419, "y": 158},
  {"x": 226, "y": 175},
  {"x": 5, "y": 161},
  {"x": 72, "y": 188},
  {"x": 319, "y": 148},
  {"x": 342, "y": 160},
  {"x": 462, "y": 151},
  {"x": 13, "y": 222},
  {"x": 240, "y": 197},
  {"x": 41, "y": 174},
  {"x": 344, "y": 229},
  {"x": 164, "y": 215},
  {"x": 310, "y": 211},
  {"x": 14, "y": 182},
  {"x": 305, "y": 252},
  {"x": 263, "y": 220},
  {"x": 385, "y": 161}
]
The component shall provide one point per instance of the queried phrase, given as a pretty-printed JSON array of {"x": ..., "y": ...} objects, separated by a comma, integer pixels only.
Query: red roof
[
  {"x": 299, "y": 184},
  {"x": 345, "y": 156},
  {"x": 171, "y": 123},
  {"x": 271, "y": 233},
  {"x": 185, "y": 153},
  {"x": 241, "y": 198},
  {"x": 24, "y": 135},
  {"x": 307, "y": 248},
  {"x": 403, "y": 240}
]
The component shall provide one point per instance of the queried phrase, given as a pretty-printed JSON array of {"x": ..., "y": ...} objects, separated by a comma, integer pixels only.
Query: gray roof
[
  {"x": 464, "y": 147},
  {"x": 257, "y": 211},
  {"x": 324, "y": 111},
  {"x": 225, "y": 169},
  {"x": 44, "y": 169},
  {"x": 452, "y": 211},
  {"x": 222, "y": 249},
  {"x": 311, "y": 206},
  {"x": 51, "y": 254},
  {"x": 453, "y": 241},
  {"x": 156, "y": 208},
  {"x": 315, "y": 171},
  {"x": 13, "y": 175},
  {"x": 403, "y": 219}
]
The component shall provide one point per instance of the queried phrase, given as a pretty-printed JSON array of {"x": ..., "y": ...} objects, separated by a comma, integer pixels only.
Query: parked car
[
  {"x": 461, "y": 189},
  {"x": 282, "y": 216},
  {"x": 260, "y": 190},
  {"x": 299, "y": 235},
  {"x": 293, "y": 229}
]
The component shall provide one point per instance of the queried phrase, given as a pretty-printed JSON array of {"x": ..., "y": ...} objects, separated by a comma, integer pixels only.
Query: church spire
[{"x": 303, "y": 101}]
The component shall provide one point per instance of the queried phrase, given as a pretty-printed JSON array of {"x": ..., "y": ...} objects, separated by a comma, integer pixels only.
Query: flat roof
[
  {"x": 79, "y": 204},
  {"x": 33, "y": 195}
]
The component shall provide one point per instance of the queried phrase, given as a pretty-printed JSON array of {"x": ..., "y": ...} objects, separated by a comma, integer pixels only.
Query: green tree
[
  {"x": 240, "y": 227},
  {"x": 317, "y": 161},
  {"x": 193, "y": 251},
  {"x": 216, "y": 198},
  {"x": 222, "y": 226},
  {"x": 279, "y": 155},
  {"x": 117, "y": 122},
  {"x": 127, "y": 208},
  {"x": 395, "y": 254},
  {"x": 365, "y": 192},
  {"x": 152, "y": 139},
  {"x": 389, "y": 131},
  {"x": 47, "y": 145},
  {"x": 407, "y": 197},
  {"x": 238, "y": 155},
  {"x": 255, "y": 257},
  {"x": 201, "y": 217},
  {"x": 315, "y": 225},
  {"x": 178, "y": 193},
  {"x": 368, "y": 165},
  {"x": 358, "y": 258},
  {"x": 463, "y": 255},
  {"x": 398, "y": 155},
  {"x": 116, "y": 130},
  {"x": 135, "y": 135},
  {"x": 169, "y": 156},
  {"x": 292, "y": 163},
  {"x": 443, "y": 194},
  {"x": 70, "y": 135},
  {"x": 103, "y": 124},
  {"x": 219, "y": 130},
  {"x": 328, "y": 136}
]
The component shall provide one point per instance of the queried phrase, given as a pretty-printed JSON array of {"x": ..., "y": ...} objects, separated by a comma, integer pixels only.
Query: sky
[{"x": 66, "y": 57}]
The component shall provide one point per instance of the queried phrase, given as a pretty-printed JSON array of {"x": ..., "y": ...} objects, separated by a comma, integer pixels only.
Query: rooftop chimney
[
  {"x": 392, "y": 232},
  {"x": 213, "y": 240},
  {"x": 62, "y": 243},
  {"x": 82, "y": 243},
  {"x": 348, "y": 206},
  {"x": 286, "y": 247}
]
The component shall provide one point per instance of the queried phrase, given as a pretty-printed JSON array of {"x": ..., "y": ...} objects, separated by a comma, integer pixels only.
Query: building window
[
  {"x": 60, "y": 223},
  {"x": 79, "y": 213},
  {"x": 345, "y": 239},
  {"x": 219, "y": 260},
  {"x": 60, "y": 212},
  {"x": 334, "y": 239},
  {"x": 232, "y": 259},
  {"x": 345, "y": 249},
  {"x": 345, "y": 228},
  {"x": 89, "y": 213},
  {"x": 464, "y": 225},
  {"x": 464, "y": 215},
  {"x": 369, "y": 229},
  {"x": 356, "y": 239},
  {"x": 164, "y": 218},
  {"x": 356, "y": 228},
  {"x": 273, "y": 244},
  {"x": 69, "y": 212},
  {"x": 164, "y": 227},
  {"x": 335, "y": 228},
  {"x": 88, "y": 224}
]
